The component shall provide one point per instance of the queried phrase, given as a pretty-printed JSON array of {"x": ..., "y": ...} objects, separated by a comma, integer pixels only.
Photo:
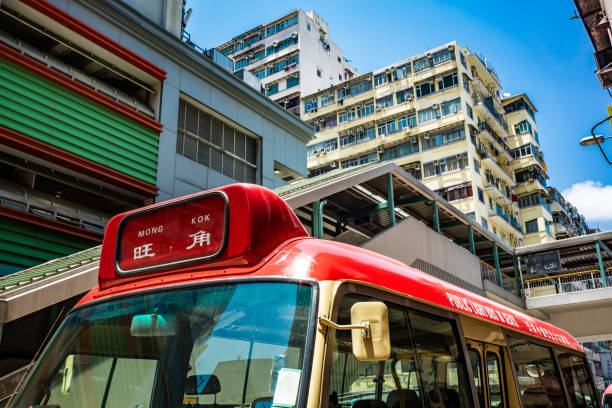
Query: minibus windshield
[{"x": 233, "y": 345}]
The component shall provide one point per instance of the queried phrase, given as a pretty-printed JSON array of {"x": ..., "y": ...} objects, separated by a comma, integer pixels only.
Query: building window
[
  {"x": 272, "y": 89},
  {"x": 429, "y": 114},
  {"x": 215, "y": 144},
  {"x": 359, "y": 160},
  {"x": 260, "y": 74},
  {"x": 380, "y": 79},
  {"x": 448, "y": 81},
  {"x": 443, "y": 56},
  {"x": 469, "y": 110},
  {"x": 484, "y": 223},
  {"x": 281, "y": 65},
  {"x": 384, "y": 102},
  {"x": 522, "y": 127},
  {"x": 353, "y": 89},
  {"x": 445, "y": 165},
  {"x": 457, "y": 192},
  {"x": 387, "y": 128},
  {"x": 327, "y": 99},
  {"x": 430, "y": 141},
  {"x": 365, "y": 109},
  {"x": 293, "y": 81},
  {"x": 357, "y": 136},
  {"x": 530, "y": 200},
  {"x": 281, "y": 45},
  {"x": 330, "y": 121},
  {"x": 318, "y": 72},
  {"x": 476, "y": 166},
  {"x": 480, "y": 195},
  {"x": 463, "y": 60},
  {"x": 450, "y": 107},
  {"x": 425, "y": 89},
  {"x": 531, "y": 226},
  {"x": 322, "y": 147},
  {"x": 310, "y": 105},
  {"x": 401, "y": 149},
  {"x": 405, "y": 95},
  {"x": 277, "y": 28},
  {"x": 346, "y": 115},
  {"x": 422, "y": 64},
  {"x": 403, "y": 71},
  {"x": 406, "y": 121}
]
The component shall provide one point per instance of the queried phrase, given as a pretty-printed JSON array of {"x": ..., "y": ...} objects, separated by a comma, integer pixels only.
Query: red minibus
[{"x": 221, "y": 299}]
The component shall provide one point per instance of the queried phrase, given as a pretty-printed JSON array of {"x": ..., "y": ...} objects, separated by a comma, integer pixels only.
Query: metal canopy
[{"x": 357, "y": 199}]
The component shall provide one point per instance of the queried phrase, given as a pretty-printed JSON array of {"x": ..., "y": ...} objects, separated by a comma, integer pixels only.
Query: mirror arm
[{"x": 365, "y": 326}]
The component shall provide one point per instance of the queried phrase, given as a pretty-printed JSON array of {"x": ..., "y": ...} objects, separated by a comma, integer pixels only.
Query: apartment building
[
  {"x": 530, "y": 169},
  {"x": 439, "y": 115},
  {"x": 567, "y": 221},
  {"x": 292, "y": 56}
]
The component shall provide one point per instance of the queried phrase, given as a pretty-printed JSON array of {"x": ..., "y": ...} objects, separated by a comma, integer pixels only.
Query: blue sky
[{"x": 533, "y": 45}]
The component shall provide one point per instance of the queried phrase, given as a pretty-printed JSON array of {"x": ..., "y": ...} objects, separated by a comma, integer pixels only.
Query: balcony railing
[
  {"x": 498, "y": 211},
  {"x": 480, "y": 99},
  {"x": 572, "y": 282},
  {"x": 487, "y": 272}
]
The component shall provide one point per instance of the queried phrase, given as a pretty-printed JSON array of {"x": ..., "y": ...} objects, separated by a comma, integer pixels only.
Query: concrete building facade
[
  {"x": 105, "y": 109},
  {"x": 567, "y": 221},
  {"x": 439, "y": 116},
  {"x": 291, "y": 55}
]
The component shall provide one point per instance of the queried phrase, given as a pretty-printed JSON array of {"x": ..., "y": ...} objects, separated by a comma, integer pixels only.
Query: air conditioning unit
[
  {"x": 409, "y": 97},
  {"x": 250, "y": 55},
  {"x": 435, "y": 106},
  {"x": 417, "y": 167},
  {"x": 359, "y": 130},
  {"x": 435, "y": 162},
  {"x": 347, "y": 109},
  {"x": 285, "y": 100},
  {"x": 426, "y": 136},
  {"x": 321, "y": 120},
  {"x": 380, "y": 150},
  {"x": 275, "y": 44},
  {"x": 294, "y": 35},
  {"x": 333, "y": 164},
  {"x": 429, "y": 55},
  {"x": 368, "y": 78},
  {"x": 360, "y": 104},
  {"x": 379, "y": 108},
  {"x": 451, "y": 47},
  {"x": 346, "y": 86}
]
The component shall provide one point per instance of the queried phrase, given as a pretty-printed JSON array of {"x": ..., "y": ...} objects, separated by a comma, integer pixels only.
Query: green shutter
[
  {"x": 38, "y": 108},
  {"x": 23, "y": 245}
]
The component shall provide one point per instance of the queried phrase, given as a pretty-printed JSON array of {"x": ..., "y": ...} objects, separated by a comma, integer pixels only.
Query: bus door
[{"x": 487, "y": 367}]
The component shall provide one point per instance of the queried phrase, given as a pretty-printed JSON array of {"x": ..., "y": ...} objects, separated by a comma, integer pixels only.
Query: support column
[
  {"x": 517, "y": 277},
  {"x": 391, "y": 199},
  {"x": 436, "y": 220},
  {"x": 317, "y": 218},
  {"x": 602, "y": 271},
  {"x": 472, "y": 245},
  {"x": 496, "y": 258}
]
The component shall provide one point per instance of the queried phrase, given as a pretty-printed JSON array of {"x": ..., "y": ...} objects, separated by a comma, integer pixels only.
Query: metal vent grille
[
  {"x": 444, "y": 275},
  {"x": 215, "y": 144}
]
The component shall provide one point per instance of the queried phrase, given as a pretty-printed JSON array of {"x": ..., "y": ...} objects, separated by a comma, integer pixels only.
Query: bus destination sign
[{"x": 173, "y": 234}]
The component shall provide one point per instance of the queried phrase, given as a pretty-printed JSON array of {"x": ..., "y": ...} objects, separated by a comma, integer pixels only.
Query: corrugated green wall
[
  {"x": 23, "y": 245},
  {"x": 50, "y": 113}
]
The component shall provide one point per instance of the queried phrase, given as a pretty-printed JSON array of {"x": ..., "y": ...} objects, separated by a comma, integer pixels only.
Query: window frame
[{"x": 352, "y": 287}]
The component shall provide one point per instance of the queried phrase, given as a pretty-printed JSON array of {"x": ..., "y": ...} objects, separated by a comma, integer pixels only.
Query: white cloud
[{"x": 592, "y": 198}]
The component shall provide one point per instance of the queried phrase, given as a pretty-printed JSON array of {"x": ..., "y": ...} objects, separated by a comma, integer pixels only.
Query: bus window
[
  {"x": 577, "y": 380},
  {"x": 477, "y": 370},
  {"x": 426, "y": 367},
  {"x": 226, "y": 345},
  {"x": 538, "y": 380},
  {"x": 494, "y": 375}
]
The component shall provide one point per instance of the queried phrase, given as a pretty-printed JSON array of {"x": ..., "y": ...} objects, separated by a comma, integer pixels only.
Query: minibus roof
[{"x": 248, "y": 231}]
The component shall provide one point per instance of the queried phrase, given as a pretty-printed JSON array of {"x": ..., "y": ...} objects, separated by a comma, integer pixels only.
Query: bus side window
[
  {"x": 577, "y": 380},
  {"x": 538, "y": 379},
  {"x": 476, "y": 362},
  {"x": 494, "y": 379},
  {"x": 426, "y": 368}
]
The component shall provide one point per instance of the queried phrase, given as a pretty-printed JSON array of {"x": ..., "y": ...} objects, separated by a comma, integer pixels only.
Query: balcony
[
  {"x": 510, "y": 221},
  {"x": 496, "y": 168},
  {"x": 484, "y": 107},
  {"x": 489, "y": 134}
]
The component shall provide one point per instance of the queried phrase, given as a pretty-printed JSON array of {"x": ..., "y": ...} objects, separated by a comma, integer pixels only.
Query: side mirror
[
  {"x": 369, "y": 330},
  {"x": 373, "y": 344}
]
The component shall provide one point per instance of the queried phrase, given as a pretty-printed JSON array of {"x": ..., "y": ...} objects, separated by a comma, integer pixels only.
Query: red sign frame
[{"x": 156, "y": 209}]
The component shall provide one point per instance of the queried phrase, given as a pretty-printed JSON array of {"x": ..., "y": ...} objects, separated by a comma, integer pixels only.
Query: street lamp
[{"x": 590, "y": 140}]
